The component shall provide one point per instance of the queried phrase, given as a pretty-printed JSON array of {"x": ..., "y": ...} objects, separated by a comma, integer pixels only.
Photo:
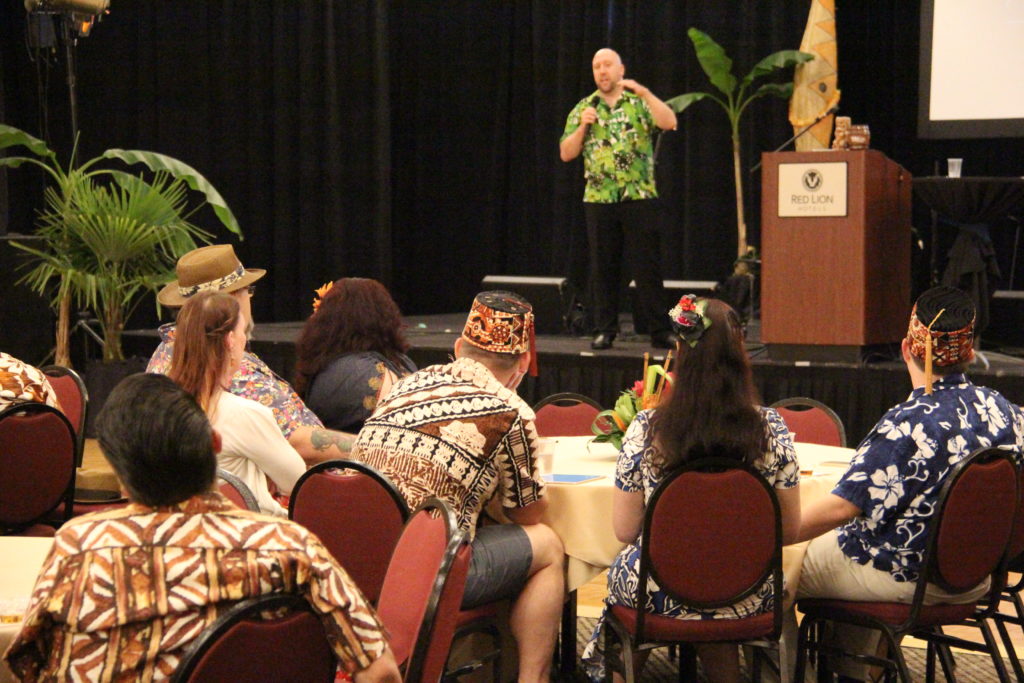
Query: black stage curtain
[{"x": 415, "y": 141}]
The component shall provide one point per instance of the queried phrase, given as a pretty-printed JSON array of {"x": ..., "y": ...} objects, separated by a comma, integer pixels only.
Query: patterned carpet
[{"x": 970, "y": 668}]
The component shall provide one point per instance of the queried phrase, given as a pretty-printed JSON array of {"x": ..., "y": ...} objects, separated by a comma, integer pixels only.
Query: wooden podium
[{"x": 835, "y": 243}]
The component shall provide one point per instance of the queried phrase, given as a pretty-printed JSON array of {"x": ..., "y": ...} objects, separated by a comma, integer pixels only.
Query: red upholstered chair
[
  {"x": 812, "y": 421},
  {"x": 74, "y": 401},
  {"x": 566, "y": 414},
  {"x": 235, "y": 490},
  {"x": 712, "y": 536},
  {"x": 358, "y": 515},
  {"x": 420, "y": 598},
  {"x": 270, "y": 638},
  {"x": 967, "y": 542},
  {"x": 37, "y": 468},
  {"x": 988, "y": 608}
]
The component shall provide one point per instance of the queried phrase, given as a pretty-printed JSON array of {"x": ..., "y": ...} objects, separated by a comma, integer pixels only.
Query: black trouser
[{"x": 635, "y": 225}]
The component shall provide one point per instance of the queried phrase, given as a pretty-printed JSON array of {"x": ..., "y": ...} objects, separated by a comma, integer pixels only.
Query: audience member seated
[
  {"x": 210, "y": 345},
  {"x": 216, "y": 269},
  {"x": 350, "y": 352},
  {"x": 124, "y": 592},
  {"x": 22, "y": 382},
  {"x": 711, "y": 412},
  {"x": 870, "y": 532},
  {"x": 460, "y": 432}
]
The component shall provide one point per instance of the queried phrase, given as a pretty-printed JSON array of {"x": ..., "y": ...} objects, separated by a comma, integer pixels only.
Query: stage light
[
  {"x": 81, "y": 14},
  {"x": 78, "y": 6}
]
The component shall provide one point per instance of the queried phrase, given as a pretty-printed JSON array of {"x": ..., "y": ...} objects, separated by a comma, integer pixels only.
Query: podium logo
[
  {"x": 812, "y": 189},
  {"x": 812, "y": 180}
]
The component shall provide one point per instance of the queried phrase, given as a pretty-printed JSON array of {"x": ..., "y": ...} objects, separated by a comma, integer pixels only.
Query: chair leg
[
  {"x": 567, "y": 651},
  {"x": 946, "y": 659},
  {"x": 897, "y": 653},
  {"x": 1018, "y": 605},
  {"x": 1011, "y": 652},
  {"x": 929, "y": 662},
  {"x": 687, "y": 663},
  {"x": 993, "y": 650},
  {"x": 802, "y": 649},
  {"x": 614, "y": 631},
  {"x": 755, "y": 663}
]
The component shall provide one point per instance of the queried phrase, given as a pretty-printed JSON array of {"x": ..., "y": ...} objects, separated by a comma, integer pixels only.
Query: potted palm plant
[{"x": 107, "y": 237}]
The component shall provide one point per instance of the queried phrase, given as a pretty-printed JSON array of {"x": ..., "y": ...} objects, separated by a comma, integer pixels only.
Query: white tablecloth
[
  {"x": 581, "y": 514},
  {"x": 20, "y": 561}
]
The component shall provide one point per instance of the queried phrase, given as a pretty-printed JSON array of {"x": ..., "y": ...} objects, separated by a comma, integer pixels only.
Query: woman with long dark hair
[
  {"x": 712, "y": 411},
  {"x": 350, "y": 352},
  {"x": 208, "y": 351}
]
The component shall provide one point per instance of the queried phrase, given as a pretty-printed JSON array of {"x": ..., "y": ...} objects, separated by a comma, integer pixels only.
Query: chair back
[
  {"x": 235, "y": 490},
  {"x": 356, "y": 513},
  {"x": 269, "y": 638},
  {"x": 712, "y": 536},
  {"x": 423, "y": 589},
  {"x": 74, "y": 401},
  {"x": 1015, "y": 553},
  {"x": 566, "y": 414},
  {"x": 812, "y": 421},
  {"x": 37, "y": 464},
  {"x": 973, "y": 522}
]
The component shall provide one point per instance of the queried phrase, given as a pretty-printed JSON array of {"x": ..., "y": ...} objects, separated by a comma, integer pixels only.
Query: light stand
[{"x": 76, "y": 18}]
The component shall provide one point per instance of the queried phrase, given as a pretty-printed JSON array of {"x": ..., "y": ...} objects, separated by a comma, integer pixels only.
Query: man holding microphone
[{"x": 613, "y": 127}]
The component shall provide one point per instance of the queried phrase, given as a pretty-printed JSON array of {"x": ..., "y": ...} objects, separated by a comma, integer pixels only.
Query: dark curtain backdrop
[{"x": 416, "y": 141}]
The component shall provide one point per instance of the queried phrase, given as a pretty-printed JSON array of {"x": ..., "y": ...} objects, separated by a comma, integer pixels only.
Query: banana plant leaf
[
  {"x": 783, "y": 59},
  {"x": 178, "y": 169},
  {"x": 12, "y": 137},
  {"x": 780, "y": 90},
  {"x": 713, "y": 59},
  {"x": 681, "y": 102}
]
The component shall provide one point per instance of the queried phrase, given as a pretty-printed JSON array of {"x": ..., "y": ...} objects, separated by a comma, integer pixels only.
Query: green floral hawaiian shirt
[{"x": 618, "y": 161}]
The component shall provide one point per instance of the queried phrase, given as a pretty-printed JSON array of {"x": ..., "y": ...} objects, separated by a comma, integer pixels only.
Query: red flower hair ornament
[{"x": 689, "y": 318}]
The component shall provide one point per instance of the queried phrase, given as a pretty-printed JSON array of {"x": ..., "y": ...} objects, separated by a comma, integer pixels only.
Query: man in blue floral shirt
[
  {"x": 216, "y": 268},
  {"x": 870, "y": 532}
]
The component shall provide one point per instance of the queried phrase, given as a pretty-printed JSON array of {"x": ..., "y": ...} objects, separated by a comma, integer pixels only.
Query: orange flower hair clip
[{"x": 321, "y": 292}]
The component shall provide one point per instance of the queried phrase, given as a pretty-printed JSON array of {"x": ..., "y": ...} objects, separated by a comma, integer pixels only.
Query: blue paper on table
[{"x": 571, "y": 478}]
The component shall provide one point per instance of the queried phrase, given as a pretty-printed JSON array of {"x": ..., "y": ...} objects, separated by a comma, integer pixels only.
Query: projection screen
[{"x": 972, "y": 66}]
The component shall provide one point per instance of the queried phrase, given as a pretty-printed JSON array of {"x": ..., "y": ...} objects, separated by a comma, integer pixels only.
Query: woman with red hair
[
  {"x": 208, "y": 351},
  {"x": 350, "y": 352}
]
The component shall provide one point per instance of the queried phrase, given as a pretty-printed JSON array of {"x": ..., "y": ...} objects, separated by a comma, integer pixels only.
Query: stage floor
[{"x": 859, "y": 392}]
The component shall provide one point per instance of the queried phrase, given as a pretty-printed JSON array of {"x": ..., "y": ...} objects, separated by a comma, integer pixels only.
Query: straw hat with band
[
  {"x": 502, "y": 322},
  {"x": 208, "y": 269}
]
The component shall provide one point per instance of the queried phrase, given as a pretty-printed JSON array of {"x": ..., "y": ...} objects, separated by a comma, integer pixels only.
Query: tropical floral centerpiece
[{"x": 611, "y": 425}]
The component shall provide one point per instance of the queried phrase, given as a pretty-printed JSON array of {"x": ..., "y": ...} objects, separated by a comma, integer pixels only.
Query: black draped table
[
  {"x": 972, "y": 200},
  {"x": 972, "y": 205}
]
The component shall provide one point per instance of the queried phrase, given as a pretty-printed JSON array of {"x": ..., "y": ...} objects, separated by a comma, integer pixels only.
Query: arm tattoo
[{"x": 322, "y": 439}]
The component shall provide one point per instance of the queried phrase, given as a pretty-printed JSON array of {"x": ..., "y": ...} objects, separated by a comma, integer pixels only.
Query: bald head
[{"x": 608, "y": 70}]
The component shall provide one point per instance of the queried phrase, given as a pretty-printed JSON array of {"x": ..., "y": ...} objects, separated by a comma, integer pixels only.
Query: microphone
[
  {"x": 594, "y": 101},
  {"x": 831, "y": 110}
]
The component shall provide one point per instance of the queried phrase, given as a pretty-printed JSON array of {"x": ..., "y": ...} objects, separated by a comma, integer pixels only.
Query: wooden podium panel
[{"x": 835, "y": 280}]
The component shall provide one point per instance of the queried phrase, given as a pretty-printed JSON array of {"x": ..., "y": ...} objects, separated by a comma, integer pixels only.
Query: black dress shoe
[
  {"x": 663, "y": 340},
  {"x": 602, "y": 340}
]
